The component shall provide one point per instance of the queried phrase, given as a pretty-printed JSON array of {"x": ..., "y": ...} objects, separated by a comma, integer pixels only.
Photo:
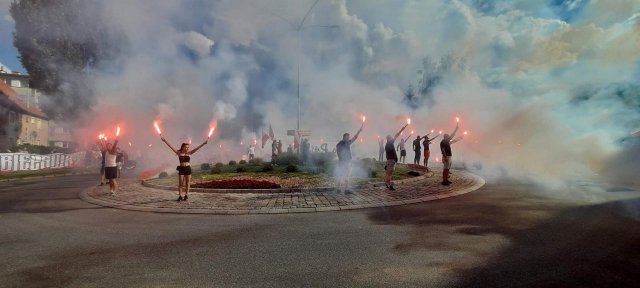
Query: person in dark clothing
[
  {"x": 184, "y": 169},
  {"x": 425, "y": 143},
  {"x": 445, "y": 148},
  {"x": 392, "y": 157},
  {"x": 343, "y": 148},
  {"x": 417, "y": 150}
]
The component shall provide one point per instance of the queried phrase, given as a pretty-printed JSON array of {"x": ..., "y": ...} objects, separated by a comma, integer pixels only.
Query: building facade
[{"x": 20, "y": 121}]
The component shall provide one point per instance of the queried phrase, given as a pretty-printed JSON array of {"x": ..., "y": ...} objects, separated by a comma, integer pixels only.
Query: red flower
[{"x": 237, "y": 184}]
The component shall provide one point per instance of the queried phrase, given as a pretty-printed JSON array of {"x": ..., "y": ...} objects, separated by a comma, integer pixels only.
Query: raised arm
[
  {"x": 400, "y": 132},
  {"x": 115, "y": 146},
  {"x": 405, "y": 140},
  {"x": 170, "y": 147},
  {"x": 197, "y": 148},
  {"x": 433, "y": 138},
  {"x": 356, "y": 136},
  {"x": 456, "y": 140},
  {"x": 101, "y": 145},
  {"x": 454, "y": 131}
]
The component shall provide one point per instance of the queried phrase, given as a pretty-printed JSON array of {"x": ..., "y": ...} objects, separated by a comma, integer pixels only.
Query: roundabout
[{"x": 135, "y": 196}]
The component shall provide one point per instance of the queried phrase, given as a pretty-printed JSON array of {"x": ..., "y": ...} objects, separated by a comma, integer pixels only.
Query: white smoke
[{"x": 537, "y": 86}]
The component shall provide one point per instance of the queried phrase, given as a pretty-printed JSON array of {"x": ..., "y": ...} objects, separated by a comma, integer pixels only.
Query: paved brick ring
[{"x": 134, "y": 196}]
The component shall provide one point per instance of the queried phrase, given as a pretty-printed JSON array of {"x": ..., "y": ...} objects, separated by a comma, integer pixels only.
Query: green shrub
[
  {"x": 216, "y": 170},
  {"x": 205, "y": 166},
  {"x": 288, "y": 158},
  {"x": 163, "y": 175},
  {"x": 267, "y": 167},
  {"x": 373, "y": 173},
  {"x": 322, "y": 161},
  {"x": 255, "y": 161},
  {"x": 242, "y": 162},
  {"x": 241, "y": 169},
  {"x": 232, "y": 163},
  {"x": 291, "y": 168},
  {"x": 219, "y": 165}
]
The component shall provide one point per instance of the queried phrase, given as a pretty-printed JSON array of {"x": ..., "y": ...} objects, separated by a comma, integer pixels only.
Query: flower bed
[{"x": 237, "y": 184}]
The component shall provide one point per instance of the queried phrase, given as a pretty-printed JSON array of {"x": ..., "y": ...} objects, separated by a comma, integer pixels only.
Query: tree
[{"x": 59, "y": 41}]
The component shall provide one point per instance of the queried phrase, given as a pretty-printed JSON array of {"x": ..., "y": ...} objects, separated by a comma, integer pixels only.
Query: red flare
[
  {"x": 364, "y": 118},
  {"x": 465, "y": 133},
  {"x": 211, "y": 131},
  {"x": 409, "y": 121},
  {"x": 117, "y": 131},
  {"x": 155, "y": 124},
  {"x": 458, "y": 119}
]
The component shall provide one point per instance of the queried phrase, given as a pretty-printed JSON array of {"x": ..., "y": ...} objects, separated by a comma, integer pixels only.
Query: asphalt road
[{"x": 506, "y": 234}]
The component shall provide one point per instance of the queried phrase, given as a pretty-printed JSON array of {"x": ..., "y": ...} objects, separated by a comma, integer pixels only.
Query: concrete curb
[{"x": 85, "y": 196}]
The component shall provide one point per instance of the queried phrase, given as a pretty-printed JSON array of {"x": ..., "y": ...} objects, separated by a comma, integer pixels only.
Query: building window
[
  {"x": 33, "y": 120},
  {"x": 39, "y": 124},
  {"x": 16, "y": 83}
]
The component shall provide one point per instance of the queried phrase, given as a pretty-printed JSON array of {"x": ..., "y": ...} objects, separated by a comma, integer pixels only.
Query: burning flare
[
  {"x": 211, "y": 131},
  {"x": 465, "y": 133},
  {"x": 155, "y": 124},
  {"x": 408, "y": 121},
  {"x": 118, "y": 131},
  {"x": 364, "y": 118},
  {"x": 458, "y": 119}
]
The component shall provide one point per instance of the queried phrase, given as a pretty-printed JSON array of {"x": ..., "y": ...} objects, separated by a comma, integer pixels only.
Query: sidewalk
[{"x": 133, "y": 196}]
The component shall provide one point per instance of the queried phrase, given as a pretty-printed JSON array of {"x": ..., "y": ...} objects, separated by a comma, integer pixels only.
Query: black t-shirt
[
  {"x": 426, "y": 143},
  {"x": 343, "y": 148},
  {"x": 445, "y": 147},
  {"x": 416, "y": 145},
  {"x": 390, "y": 151}
]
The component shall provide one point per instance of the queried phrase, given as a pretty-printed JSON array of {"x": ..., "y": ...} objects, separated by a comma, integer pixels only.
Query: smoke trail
[{"x": 545, "y": 88}]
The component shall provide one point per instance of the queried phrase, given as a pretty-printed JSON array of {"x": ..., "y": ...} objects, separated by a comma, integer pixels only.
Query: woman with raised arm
[
  {"x": 184, "y": 169},
  {"x": 392, "y": 158},
  {"x": 110, "y": 153}
]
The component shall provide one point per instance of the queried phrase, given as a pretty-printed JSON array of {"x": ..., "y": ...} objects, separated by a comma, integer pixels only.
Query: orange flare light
[
  {"x": 211, "y": 131},
  {"x": 364, "y": 118},
  {"x": 440, "y": 132},
  {"x": 458, "y": 119},
  {"x": 155, "y": 124},
  {"x": 117, "y": 131},
  {"x": 412, "y": 132},
  {"x": 101, "y": 136},
  {"x": 408, "y": 121},
  {"x": 431, "y": 130},
  {"x": 129, "y": 144},
  {"x": 465, "y": 133}
]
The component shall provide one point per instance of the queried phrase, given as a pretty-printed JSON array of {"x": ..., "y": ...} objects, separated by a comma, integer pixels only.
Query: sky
[
  {"x": 545, "y": 89},
  {"x": 8, "y": 53}
]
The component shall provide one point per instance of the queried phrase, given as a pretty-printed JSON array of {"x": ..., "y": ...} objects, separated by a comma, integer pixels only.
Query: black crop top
[{"x": 184, "y": 159}]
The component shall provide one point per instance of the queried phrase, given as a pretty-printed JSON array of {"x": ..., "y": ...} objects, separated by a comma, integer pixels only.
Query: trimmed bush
[
  {"x": 291, "y": 168},
  {"x": 242, "y": 162},
  {"x": 288, "y": 158},
  {"x": 372, "y": 173},
  {"x": 205, "y": 166},
  {"x": 255, "y": 161},
  {"x": 163, "y": 175},
  {"x": 233, "y": 163},
  {"x": 267, "y": 167},
  {"x": 216, "y": 170},
  {"x": 241, "y": 169},
  {"x": 219, "y": 165}
]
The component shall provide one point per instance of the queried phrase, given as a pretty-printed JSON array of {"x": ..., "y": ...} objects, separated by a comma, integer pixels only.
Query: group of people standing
[{"x": 389, "y": 150}]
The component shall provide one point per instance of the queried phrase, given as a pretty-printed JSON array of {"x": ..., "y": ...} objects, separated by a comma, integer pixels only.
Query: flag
[
  {"x": 296, "y": 141},
  {"x": 271, "y": 133},
  {"x": 265, "y": 138}
]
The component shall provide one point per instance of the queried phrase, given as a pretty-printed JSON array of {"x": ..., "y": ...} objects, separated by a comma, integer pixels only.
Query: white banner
[{"x": 26, "y": 161}]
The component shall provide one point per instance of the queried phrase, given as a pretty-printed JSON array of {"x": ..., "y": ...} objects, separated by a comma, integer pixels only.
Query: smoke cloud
[{"x": 546, "y": 89}]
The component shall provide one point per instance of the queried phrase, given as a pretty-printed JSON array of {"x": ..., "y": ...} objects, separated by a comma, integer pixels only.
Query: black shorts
[
  {"x": 111, "y": 172},
  {"x": 184, "y": 170},
  {"x": 403, "y": 152}
]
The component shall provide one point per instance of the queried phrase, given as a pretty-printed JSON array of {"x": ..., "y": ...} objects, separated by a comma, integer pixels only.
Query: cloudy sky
[{"x": 544, "y": 87}]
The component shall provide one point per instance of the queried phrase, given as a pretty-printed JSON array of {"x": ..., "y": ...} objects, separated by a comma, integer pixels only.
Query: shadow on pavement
[{"x": 549, "y": 243}]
